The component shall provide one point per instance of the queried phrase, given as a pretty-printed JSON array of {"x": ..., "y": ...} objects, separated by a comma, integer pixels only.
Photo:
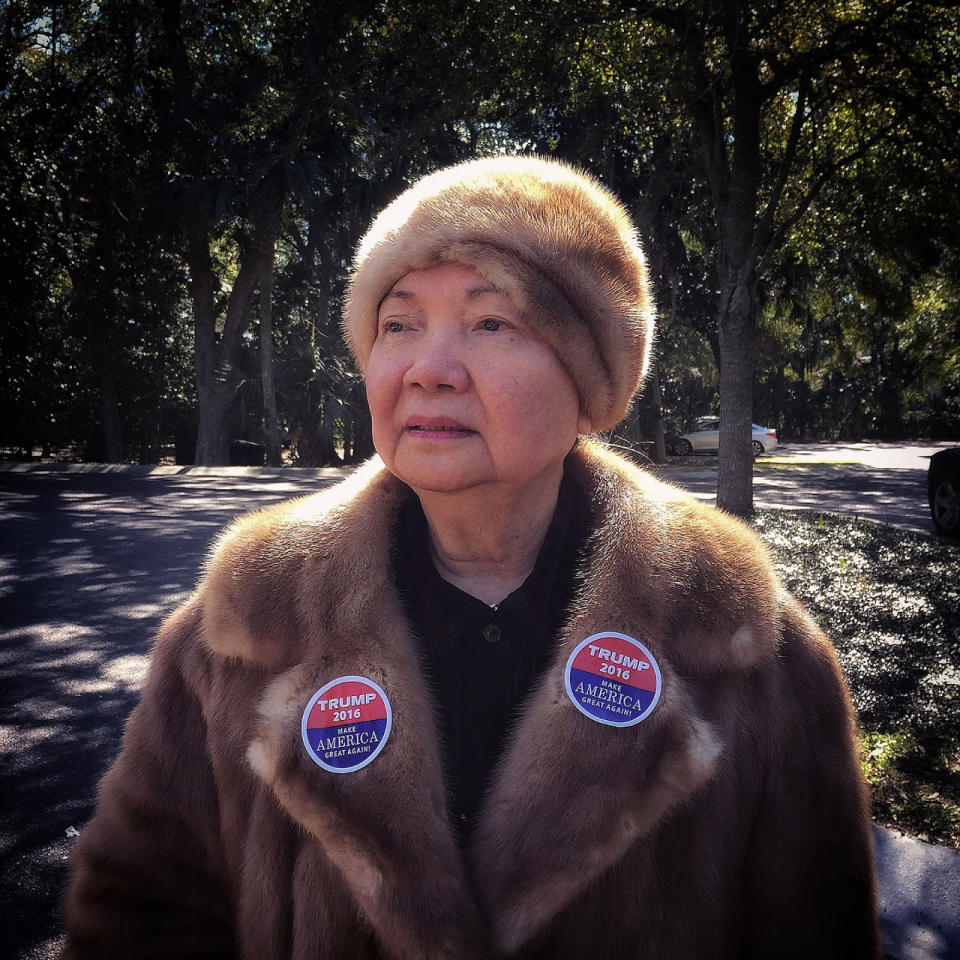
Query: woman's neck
[{"x": 487, "y": 542}]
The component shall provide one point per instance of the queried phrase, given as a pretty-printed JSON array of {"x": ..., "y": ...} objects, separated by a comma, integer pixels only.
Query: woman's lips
[{"x": 436, "y": 428}]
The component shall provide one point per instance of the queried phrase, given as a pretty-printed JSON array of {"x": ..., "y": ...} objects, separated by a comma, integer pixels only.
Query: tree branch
[
  {"x": 848, "y": 38},
  {"x": 786, "y": 164},
  {"x": 779, "y": 235}
]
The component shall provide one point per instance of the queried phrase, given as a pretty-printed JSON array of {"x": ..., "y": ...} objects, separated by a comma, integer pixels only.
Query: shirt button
[{"x": 491, "y": 633}]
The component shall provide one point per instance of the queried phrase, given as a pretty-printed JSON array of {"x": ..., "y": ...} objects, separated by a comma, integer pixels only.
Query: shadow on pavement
[
  {"x": 89, "y": 566},
  {"x": 922, "y": 923}
]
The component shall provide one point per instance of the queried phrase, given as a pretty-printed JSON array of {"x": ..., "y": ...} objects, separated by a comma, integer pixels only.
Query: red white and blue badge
[
  {"x": 613, "y": 679},
  {"x": 346, "y": 724}
]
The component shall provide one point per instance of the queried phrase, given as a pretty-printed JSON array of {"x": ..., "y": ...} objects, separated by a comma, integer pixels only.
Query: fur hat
[{"x": 550, "y": 237}]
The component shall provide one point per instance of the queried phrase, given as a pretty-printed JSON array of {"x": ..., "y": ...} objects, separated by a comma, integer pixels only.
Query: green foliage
[
  {"x": 914, "y": 780},
  {"x": 138, "y": 135},
  {"x": 890, "y": 602}
]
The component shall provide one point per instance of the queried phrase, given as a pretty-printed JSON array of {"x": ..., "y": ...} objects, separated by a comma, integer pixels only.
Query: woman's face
[{"x": 462, "y": 392}]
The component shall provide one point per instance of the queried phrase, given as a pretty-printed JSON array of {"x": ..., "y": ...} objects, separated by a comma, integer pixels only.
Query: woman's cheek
[{"x": 383, "y": 393}]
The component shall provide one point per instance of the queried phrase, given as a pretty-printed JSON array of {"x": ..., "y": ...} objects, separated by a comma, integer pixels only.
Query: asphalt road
[
  {"x": 90, "y": 563},
  {"x": 886, "y": 483}
]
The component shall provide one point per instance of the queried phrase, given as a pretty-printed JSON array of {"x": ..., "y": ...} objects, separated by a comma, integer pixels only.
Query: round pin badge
[
  {"x": 613, "y": 679},
  {"x": 346, "y": 724}
]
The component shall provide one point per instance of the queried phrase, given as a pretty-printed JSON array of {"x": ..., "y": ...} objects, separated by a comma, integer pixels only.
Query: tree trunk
[
  {"x": 271, "y": 420},
  {"x": 731, "y": 159},
  {"x": 97, "y": 326},
  {"x": 213, "y": 445},
  {"x": 325, "y": 439},
  {"x": 112, "y": 421},
  {"x": 214, "y": 361},
  {"x": 893, "y": 374},
  {"x": 735, "y": 457},
  {"x": 95, "y": 304},
  {"x": 347, "y": 434},
  {"x": 656, "y": 402},
  {"x": 362, "y": 427},
  {"x": 213, "y": 441}
]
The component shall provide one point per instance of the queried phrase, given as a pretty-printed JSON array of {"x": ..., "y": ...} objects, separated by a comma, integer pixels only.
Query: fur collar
[{"x": 303, "y": 591}]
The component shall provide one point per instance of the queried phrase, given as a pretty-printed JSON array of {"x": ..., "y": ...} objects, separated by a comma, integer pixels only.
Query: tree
[
  {"x": 90, "y": 294},
  {"x": 269, "y": 109},
  {"x": 769, "y": 89},
  {"x": 168, "y": 164},
  {"x": 773, "y": 102}
]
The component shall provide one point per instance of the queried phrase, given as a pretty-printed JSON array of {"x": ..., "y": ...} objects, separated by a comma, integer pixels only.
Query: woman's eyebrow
[
  {"x": 405, "y": 295},
  {"x": 473, "y": 293}
]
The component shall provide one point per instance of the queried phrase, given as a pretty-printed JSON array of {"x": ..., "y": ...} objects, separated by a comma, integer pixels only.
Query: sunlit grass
[{"x": 915, "y": 783}]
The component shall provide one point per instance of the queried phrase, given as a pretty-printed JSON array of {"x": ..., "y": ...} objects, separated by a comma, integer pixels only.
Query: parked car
[
  {"x": 943, "y": 491},
  {"x": 706, "y": 437}
]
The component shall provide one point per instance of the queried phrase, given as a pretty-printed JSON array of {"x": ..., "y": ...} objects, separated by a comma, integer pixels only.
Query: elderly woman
[{"x": 500, "y": 693}]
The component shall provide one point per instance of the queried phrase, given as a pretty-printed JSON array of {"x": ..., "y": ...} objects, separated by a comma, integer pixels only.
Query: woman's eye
[
  {"x": 492, "y": 324},
  {"x": 393, "y": 326}
]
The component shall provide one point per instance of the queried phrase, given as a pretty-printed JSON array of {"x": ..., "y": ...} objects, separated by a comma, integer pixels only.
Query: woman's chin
[
  {"x": 446, "y": 481},
  {"x": 446, "y": 467},
  {"x": 441, "y": 474}
]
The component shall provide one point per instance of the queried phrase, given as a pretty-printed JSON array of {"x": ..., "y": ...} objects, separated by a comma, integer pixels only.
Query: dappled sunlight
[
  {"x": 71, "y": 659},
  {"x": 90, "y": 565},
  {"x": 890, "y": 602},
  {"x": 94, "y": 685},
  {"x": 888, "y": 639},
  {"x": 128, "y": 671},
  {"x": 73, "y": 566},
  {"x": 889, "y": 599},
  {"x": 14, "y": 738},
  {"x": 868, "y": 492},
  {"x": 48, "y": 710}
]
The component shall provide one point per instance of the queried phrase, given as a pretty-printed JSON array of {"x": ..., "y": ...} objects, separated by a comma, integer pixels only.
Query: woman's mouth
[
  {"x": 459, "y": 429},
  {"x": 437, "y": 428}
]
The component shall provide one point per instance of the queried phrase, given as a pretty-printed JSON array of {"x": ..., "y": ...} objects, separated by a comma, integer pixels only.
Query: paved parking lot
[
  {"x": 90, "y": 563},
  {"x": 886, "y": 483}
]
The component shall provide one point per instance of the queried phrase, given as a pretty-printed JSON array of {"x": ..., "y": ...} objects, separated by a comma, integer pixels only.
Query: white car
[{"x": 707, "y": 438}]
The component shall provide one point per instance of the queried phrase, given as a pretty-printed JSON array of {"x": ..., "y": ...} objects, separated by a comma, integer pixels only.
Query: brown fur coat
[{"x": 731, "y": 822}]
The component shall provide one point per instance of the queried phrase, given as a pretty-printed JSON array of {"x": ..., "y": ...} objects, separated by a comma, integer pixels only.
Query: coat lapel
[
  {"x": 572, "y": 795},
  {"x": 384, "y": 826}
]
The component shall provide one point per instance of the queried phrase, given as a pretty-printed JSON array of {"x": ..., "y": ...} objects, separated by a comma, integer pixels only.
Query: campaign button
[
  {"x": 613, "y": 679},
  {"x": 346, "y": 724}
]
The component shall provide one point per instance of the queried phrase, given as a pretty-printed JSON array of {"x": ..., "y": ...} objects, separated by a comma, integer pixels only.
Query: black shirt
[{"x": 481, "y": 661}]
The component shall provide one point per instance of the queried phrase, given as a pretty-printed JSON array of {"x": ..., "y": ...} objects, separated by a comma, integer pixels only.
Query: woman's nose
[{"x": 438, "y": 365}]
